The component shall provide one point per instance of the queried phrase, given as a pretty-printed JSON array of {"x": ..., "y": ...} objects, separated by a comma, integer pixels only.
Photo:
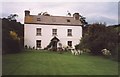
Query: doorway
[{"x": 54, "y": 41}]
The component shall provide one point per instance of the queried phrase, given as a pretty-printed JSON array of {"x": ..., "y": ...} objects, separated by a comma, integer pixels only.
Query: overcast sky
[{"x": 93, "y": 11}]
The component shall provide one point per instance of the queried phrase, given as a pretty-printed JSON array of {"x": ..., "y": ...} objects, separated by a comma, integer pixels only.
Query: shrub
[
  {"x": 26, "y": 47},
  {"x": 98, "y": 37}
]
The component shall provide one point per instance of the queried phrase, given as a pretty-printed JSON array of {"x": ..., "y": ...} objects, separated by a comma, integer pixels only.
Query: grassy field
[{"x": 53, "y": 63}]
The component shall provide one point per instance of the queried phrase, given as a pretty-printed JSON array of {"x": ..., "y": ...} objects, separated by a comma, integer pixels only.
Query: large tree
[
  {"x": 83, "y": 20},
  {"x": 12, "y": 35},
  {"x": 12, "y": 17},
  {"x": 98, "y": 37}
]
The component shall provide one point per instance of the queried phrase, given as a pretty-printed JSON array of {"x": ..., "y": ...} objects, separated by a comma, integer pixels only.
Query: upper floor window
[
  {"x": 38, "y": 31},
  {"x": 69, "y": 32},
  {"x": 38, "y": 19},
  {"x": 54, "y": 32},
  {"x": 68, "y": 20}
]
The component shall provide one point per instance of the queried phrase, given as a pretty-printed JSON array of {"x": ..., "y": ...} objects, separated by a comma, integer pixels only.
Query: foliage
[
  {"x": 98, "y": 37},
  {"x": 83, "y": 21},
  {"x": 12, "y": 17},
  {"x": 44, "y": 14},
  {"x": 12, "y": 35}
]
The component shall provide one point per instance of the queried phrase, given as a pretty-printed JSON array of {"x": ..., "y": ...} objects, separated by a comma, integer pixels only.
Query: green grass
[{"x": 53, "y": 63}]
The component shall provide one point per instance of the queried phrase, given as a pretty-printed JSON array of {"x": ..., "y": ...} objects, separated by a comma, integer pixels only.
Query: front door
[{"x": 54, "y": 43}]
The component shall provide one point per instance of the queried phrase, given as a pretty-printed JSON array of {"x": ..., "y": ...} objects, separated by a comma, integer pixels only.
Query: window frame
[
  {"x": 38, "y": 19},
  {"x": 54, "y": 32},
  {"x": 69, "y": 43},
  {"x": 38, "y": 31},
  {"x": 68, "y": 20},
  {"x": 38, "y": 43},
  {"x": 69, "y": 32}
]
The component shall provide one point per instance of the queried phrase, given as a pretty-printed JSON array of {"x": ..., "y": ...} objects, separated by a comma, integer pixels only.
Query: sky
[{"x": 94, "y": 11}]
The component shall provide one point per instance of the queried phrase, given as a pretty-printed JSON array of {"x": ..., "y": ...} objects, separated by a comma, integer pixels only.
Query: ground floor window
[
  {"x": 70, "y": 43},
  {"x": 38, "y": 43}
]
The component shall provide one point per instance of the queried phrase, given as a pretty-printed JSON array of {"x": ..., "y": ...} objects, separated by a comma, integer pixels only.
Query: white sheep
[
  {"x": 72, "y": 51},
  {"x": 80, "y": 52},
  {"x": 76, "y": 52},
  {"x": 106, "y": 52}
]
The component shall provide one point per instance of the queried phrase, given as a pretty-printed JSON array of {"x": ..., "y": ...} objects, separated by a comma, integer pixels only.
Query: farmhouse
[{"x": 41, "y": 31}]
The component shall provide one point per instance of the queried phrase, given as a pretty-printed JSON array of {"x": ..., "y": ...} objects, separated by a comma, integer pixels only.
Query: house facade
[{"x": 41, "y": 31}]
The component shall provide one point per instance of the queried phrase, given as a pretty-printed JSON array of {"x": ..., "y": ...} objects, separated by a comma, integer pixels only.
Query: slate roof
[{"x": 51, "y": 20}]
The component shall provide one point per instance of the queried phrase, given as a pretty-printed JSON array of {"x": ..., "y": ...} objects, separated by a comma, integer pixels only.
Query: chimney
[
  {"x": 76, "y": 16},
  {"x": 27, "y": 12}
]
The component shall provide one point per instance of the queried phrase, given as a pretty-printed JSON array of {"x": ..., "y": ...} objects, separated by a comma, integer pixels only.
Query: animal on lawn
[
  {"x": 76, "y": 52},
  {"x": 72, "y": 51},
  {"x": 80, "y": 52},
  {"x": 106, "y": 52}
]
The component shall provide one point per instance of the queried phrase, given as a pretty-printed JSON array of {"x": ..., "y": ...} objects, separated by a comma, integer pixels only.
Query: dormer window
[
  {"x": 68, "y": 20},
  {"x": 38, "y": 19}
]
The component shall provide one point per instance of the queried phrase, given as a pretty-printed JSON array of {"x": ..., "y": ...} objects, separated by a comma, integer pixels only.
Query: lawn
[{"x": 52, "y": 63}]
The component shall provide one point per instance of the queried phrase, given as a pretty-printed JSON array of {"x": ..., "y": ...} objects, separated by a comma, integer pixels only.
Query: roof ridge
[{"x": 51, "y": 16}]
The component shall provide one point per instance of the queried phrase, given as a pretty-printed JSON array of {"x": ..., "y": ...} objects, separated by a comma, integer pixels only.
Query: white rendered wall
[{"x": 30, "y": 34}]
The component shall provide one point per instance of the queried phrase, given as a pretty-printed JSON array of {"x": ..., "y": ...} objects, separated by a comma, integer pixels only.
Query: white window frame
[
  {"x": 38, "y": 43},
  {"x": 38, "y": 31},
  {"x": 69, "y": 32},
  {"x": 68, "y": 42},
  {"x": 54, "y": 32}
]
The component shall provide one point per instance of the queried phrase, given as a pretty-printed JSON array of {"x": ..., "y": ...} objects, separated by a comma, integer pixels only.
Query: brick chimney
[
  {"x": 76, "y": 16},
  {"x": 27, "y": 12}
]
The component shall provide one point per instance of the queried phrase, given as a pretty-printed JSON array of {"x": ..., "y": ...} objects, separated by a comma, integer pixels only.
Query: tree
[
  {"x": 83, "y": 21},
  {"x": 45, "y": 14},
  {"x": 68, "y": 13},
  {"x": 98, "y": 37},
  {"x": 12, "y": 35},
  {"x": 12, "y": 17}
]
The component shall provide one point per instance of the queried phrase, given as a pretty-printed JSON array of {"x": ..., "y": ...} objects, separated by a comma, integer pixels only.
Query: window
[
  {"x": 69, "y": 32},
  {"x": 38, "y": 19},
  {"x": 54, "y": 32},
  {"x": 70, "y": 43},
  {"x": 68, "y": 20},
  {"x": 38, "y": 31},
  {"x": 38, "y": 43}
]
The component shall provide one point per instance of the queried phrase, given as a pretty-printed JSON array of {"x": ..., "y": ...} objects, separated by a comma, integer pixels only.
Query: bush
[
  {"x": 12, "y": 36},
  {"x": 98, "y": 37},
  {"x": 26, "y": 47}
]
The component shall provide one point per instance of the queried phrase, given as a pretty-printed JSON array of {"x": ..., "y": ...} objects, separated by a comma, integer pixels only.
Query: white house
[{"x": 41, "y": 30}]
